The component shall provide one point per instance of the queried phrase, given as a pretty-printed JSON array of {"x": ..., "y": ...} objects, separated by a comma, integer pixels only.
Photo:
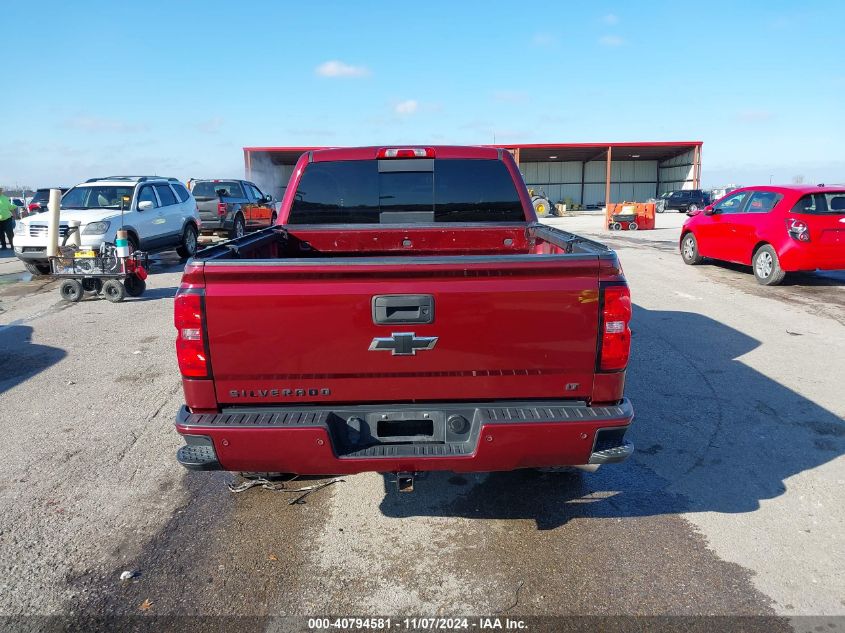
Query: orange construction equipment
[{"x": 629, "y": 216}]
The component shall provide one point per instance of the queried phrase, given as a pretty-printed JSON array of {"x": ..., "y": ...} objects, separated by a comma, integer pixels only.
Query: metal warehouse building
[{"x": 589, "y": 174}]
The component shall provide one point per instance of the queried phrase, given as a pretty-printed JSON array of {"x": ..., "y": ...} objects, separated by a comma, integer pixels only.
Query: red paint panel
[
  {"x": 504, "y": 329},
  {"x": 200, "y": 394},
  {"x": 308, "y": 450}
]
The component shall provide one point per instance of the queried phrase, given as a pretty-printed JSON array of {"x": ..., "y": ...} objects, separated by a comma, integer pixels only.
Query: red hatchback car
[{"x": 774, "y": 229}]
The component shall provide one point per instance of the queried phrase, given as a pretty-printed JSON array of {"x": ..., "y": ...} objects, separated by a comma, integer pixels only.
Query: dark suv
[
  {"x": 686, "y": 200},
  {"x": 40, "y": 199}
]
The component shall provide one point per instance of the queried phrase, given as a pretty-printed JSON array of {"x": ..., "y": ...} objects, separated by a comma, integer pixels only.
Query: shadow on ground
[
  {"x": 712, "y": 434},
  {"x": 20, "y": 358},
  {"x": 817, "y": 278},
  {"x": 153, "y": 294}
]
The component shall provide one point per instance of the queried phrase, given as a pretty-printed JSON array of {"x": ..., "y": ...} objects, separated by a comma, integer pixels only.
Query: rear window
[
  {"x": 181, "y": 192},
  {"x": 406, "y": 191},
  {"x": 165, "y": 195},
  {"x": 831, "y": 202},
  {"x": 213, "y": 189}
]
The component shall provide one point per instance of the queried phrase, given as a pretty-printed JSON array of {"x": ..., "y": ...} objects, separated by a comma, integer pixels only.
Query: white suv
[{"x": 157, "y": 212}]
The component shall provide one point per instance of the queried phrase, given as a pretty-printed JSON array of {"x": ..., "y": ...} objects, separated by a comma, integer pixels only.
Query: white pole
[{"x": 53, "y": 222}]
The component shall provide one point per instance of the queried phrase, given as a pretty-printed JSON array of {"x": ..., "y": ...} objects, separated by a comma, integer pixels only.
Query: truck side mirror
[{"x": 145, "y": 205}]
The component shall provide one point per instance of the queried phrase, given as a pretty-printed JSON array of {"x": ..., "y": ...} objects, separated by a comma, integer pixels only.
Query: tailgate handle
[{"x": 391, "y": 309}]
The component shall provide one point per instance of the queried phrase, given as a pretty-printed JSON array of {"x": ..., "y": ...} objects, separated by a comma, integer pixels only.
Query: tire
[
  {"x": 689, "y": 250},
  {"x": 766, "y": 266},
  {"x": 92, "y": 285},
  {"x": 633, "y": 226},
  {"x": 692, "y": 207},
  {"x": 37, "y": 269},
  {"x": 542, "y": 206},
  {"x": 188, "y": 246},
  {"x": 239, "y": 227},
  {"x": 659, "y": 209},
  {"x": 134, "y": 285},
  {"x": 71, "y": 290},
  {"x": 114, "y": 291},
  {"x": 133, "y": 243},
  {"x": 615, "y": 226}
]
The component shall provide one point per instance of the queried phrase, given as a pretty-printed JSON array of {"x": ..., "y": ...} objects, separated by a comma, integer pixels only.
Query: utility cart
[
  {"x": 83, "y": 270},
  {"x": 630, "y": 216}
]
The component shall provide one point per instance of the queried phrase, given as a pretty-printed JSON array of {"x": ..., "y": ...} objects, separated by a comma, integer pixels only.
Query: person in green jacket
[{"x": 7, "y": 220}]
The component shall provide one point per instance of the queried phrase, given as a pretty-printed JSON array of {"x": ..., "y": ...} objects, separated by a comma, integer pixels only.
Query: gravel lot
[{"x": 732, "y": 503}]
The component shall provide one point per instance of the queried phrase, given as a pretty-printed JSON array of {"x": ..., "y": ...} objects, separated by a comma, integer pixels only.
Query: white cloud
[
  {"x": 100, "y": 124},
  {"x": 543, "y": 40},
  {"x": 409, "y": 106},
  {"x": 334, "y": 68},
  {"x": 610, "y": 18},
  {"x": 611, "y": 41}
]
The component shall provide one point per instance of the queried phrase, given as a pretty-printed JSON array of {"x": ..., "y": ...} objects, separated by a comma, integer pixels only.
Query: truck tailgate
[
  {"x": 207, "y": 208},
  {"x": 505, "y": 327}
]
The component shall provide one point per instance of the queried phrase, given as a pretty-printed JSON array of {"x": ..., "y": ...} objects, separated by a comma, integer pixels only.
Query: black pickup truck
[{"x": 232, "y": 207}]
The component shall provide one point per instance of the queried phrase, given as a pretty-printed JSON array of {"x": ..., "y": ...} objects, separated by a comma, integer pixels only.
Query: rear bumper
[
  {"x": 456, "y": 437},
  {"x": 215, "y": 223},
  {"x": 796, "y": 256}
]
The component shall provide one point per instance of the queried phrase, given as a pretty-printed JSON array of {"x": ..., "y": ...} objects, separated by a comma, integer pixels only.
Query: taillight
[
  {"x": 615, "y": 330},
  {"x": 190, "y": 334},
  {"x": 221, "y": 209},
  {"x": 33, "y": 206},
  {"x": 798, "y": 230},
  {"x": 405, "y": 152}
]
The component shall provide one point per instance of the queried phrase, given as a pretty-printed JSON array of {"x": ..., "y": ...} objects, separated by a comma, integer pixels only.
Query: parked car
[
  {"x": 385, "y": 328},
  {"x": 232, "y": 206},
  {"x": 20, "y": 207},
  {"x": 773, "y": 229},
  {"x": 41, "y": 198},
  {"x": 721, "y": 192},
  {"x": 157, "y": 212},
  {"x": 686, "y": 200}
]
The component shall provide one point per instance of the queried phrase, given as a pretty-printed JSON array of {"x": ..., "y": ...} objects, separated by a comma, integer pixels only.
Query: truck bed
[{"x": 417, "y": 241}]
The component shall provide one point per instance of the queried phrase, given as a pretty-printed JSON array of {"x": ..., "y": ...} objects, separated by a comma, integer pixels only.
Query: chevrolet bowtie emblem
[{"x": 403, "y": 344}]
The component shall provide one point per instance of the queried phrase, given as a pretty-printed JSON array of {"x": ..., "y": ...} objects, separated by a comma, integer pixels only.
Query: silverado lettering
[
  {"x": 274, "y": 393},
  {"x": 495, "y": 360}
]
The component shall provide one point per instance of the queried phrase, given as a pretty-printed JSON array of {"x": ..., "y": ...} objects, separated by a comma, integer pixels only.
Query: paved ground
[{"x": 732, "y": 503}]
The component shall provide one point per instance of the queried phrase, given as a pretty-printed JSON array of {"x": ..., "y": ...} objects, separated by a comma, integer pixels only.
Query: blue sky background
[{"x": 178, "y": 88}]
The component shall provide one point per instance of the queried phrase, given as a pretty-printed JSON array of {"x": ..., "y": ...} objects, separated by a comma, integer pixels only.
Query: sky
[{"x": 179, "y": 88}]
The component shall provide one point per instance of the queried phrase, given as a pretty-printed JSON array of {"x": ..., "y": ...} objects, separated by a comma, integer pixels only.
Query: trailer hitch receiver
[{"x": 405, "y": 482}]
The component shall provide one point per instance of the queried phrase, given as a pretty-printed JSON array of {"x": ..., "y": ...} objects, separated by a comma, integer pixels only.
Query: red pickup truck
[{"x": 407, "y": 313}]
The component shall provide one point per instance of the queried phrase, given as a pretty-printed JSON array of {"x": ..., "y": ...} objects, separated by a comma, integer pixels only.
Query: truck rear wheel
[{"x": 239, "y": 228}]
